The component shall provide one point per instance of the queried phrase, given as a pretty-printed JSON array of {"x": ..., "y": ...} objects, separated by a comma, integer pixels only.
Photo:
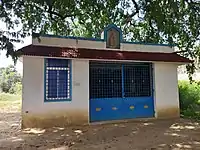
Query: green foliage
[
  {"x": 10, "y": 80},
  {"x": 189, "y": 94},
  {"x": 18, "y": 88}
]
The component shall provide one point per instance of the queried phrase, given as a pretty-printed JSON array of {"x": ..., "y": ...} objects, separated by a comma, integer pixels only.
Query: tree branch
[
  {"x": 2, "y": 2},
  {"x": 129, "y": 17},
  {"x": 177, "y": 52},
  {"x": 51, "y": 12},
  {"x": 72, "y": 19},
  {"x": 59, "y": 15},
  {"x": 136, "y": 8}
]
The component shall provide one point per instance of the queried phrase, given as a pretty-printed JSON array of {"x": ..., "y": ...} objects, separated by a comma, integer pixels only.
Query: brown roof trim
[{"x": 69, "y": 52}]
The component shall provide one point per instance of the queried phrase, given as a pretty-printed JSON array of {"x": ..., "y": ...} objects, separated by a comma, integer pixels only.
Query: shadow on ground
[{"x": 152, "y": 135}]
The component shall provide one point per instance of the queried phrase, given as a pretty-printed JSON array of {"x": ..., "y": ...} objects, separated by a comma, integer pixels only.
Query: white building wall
[
  {"x": 66, "y": 42},
  {"x": 166, "y": 90},
  {"x": 36, "y": 112},
  {"x": 146, "y": 48}
]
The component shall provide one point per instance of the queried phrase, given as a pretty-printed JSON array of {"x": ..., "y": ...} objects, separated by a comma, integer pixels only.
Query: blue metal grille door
[
  {"x": 120, "y": 91},
  {"x": 138, "y": 90},
  {"x": 137, "y": 81},
  {"x": 105, "y": 81}
]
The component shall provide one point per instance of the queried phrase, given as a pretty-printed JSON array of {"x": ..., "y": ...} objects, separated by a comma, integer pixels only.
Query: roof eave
[{"x": 69, "y": 52}]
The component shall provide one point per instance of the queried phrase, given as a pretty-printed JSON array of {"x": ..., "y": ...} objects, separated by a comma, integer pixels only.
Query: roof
[{"x": 86, "y": 53}]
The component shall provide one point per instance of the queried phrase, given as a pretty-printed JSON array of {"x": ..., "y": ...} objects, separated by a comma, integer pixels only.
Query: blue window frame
[{"x": 57, "y": 80}]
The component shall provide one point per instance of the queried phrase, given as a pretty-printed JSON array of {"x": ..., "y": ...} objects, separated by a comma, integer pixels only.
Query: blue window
[{"x": 57, "y": 80}]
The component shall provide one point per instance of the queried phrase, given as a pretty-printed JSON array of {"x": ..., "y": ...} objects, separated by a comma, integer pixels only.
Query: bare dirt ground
[{"x": 146, "y": 135}]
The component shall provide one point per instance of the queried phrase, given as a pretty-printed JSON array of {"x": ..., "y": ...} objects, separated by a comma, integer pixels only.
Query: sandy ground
[{"x": 146, "y": 135}]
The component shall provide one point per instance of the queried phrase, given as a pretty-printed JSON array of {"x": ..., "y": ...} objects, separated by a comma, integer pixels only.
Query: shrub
[
  {"x": 189, "y": 95},
  {"x": 9, "y": 77},
  {"x": 16, "y": 89}
]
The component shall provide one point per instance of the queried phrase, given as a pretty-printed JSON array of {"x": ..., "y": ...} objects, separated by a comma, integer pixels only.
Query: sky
[{"x": 4, "y": 61}]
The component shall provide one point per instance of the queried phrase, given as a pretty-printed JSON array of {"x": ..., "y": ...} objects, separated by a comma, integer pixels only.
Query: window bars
[
  {"x": 57, "y": 79},
  {"x": 105, "y": 80},
  {"x": 109, "y": 80}
]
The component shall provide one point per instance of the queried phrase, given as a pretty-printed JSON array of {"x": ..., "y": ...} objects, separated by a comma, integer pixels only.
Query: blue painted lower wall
[{"x": 104, "y": 109}]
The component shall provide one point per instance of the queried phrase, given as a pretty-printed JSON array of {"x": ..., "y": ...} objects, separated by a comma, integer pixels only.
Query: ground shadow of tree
[{"x": 154, "y": 134}]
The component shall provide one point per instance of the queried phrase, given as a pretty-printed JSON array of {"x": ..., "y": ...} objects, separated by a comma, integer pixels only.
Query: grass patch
[
  {"x": 10, "y": 102},
  {"x": 9, "y": 97}
]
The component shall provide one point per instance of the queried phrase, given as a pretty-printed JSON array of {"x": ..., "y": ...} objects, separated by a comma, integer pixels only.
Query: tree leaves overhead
[{"x": 157, "y": 21}]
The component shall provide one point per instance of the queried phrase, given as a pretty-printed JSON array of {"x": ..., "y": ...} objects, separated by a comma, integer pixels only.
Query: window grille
[
  {"x": 57, "y": 79},
  {"x": 137, "y": 80},
  {"x": 105, "y": 80},
  {"x": 109, "y": 80}
]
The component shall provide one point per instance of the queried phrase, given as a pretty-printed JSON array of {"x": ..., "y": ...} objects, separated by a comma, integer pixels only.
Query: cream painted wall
[
  {"x": 33, "y": 88},
  {"x": 165, "y": 95},
  {"x": 166, "y": 90},
  {"x": 64, "y": 42},
  {"x": 146, "y": 48}
]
